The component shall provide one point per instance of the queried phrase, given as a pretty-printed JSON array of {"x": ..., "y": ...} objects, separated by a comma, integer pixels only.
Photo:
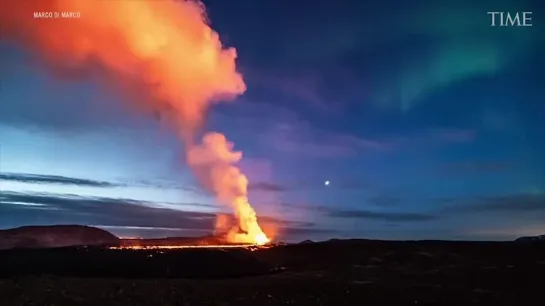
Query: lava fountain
[{"x": 161, "y": 54}]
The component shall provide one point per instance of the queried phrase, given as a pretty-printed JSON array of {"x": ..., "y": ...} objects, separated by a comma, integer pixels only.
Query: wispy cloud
[
  {"x": 54, "y": 179},
  {"x": 453, "y": 135},
  {"x": 385, "y": 200},
  {"x": 299, "y": 137},
  {"x": 434, "y": 136},
  {"x": 42, "y": 179},
  {"x": 383, "y": 216},
  {"x": 285, "y": 131},
  {"x": 475, "y": 167},
  {"x": 162, "y": 184},
  {"x": 305, "y": 88}
]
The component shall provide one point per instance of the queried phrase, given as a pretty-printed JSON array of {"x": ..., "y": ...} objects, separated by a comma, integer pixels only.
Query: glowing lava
[
  {"x": 162, "y": 54},
  {"x": 177, "y": 247}
]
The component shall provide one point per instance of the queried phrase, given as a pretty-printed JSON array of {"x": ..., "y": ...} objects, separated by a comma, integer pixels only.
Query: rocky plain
[{"x": 335, "y": 272}]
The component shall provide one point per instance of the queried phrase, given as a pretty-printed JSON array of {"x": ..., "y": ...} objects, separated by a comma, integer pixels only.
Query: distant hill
[
  {"x": 531, "y": 239},
  {"x": 55, "y": 236}
]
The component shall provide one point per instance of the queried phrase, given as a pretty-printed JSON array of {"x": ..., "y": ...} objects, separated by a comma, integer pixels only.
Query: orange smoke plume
[
  {"x": 163, "y": 48},
  {"x": 213, "y": 162}
]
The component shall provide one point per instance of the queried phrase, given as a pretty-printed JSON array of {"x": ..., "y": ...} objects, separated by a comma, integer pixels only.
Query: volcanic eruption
[{"x": 162, "y": 54}]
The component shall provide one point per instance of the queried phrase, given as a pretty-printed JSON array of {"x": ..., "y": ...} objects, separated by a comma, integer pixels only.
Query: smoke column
[{"x": 164, "y": 49}]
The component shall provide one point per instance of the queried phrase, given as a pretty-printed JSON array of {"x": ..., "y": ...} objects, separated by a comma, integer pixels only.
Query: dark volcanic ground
[{"x": 330, "y": 273}]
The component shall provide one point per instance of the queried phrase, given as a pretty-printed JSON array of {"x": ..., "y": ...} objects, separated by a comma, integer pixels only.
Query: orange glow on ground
[{"x": 177, "y": 247}]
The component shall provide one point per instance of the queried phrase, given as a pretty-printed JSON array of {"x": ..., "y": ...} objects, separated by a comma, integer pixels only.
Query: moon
[{"x": 326, "y": 183}]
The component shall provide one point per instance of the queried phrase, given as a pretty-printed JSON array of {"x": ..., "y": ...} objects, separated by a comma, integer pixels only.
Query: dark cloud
[
  {"x": 96, "y": 210},
  {"x": 365, "y": 214},
  {"x": 33, "y": 208},
  {"x": 266, "y": 186},
  {"x": 383, "y": 216},
  {"x": 307, "y": 231},
  {"x": 163, "y": 184},
  {"x": 64, "y": 180},
  {"x": 506, "y": 204},
  {"x": 53, "y": 179}
]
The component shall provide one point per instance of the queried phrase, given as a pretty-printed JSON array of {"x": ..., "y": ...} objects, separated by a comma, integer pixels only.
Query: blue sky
[{"x": 427, "y": 122}]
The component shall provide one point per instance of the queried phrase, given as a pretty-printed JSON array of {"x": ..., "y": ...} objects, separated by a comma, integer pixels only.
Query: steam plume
[{"x": 163, "y": 48}]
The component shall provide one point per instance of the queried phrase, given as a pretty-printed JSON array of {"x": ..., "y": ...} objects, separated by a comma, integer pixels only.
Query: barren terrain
[{"x": 352, "y": 272}]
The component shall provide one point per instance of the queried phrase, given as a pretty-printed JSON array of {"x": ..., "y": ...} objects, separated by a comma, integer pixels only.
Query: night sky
[{"x": 427, "y": 123}]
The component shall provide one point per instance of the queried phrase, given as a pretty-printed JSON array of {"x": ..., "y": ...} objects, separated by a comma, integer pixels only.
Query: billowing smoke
[
  {"x": 161, "y": 53},
  {"x": 213, "y": 163}
]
